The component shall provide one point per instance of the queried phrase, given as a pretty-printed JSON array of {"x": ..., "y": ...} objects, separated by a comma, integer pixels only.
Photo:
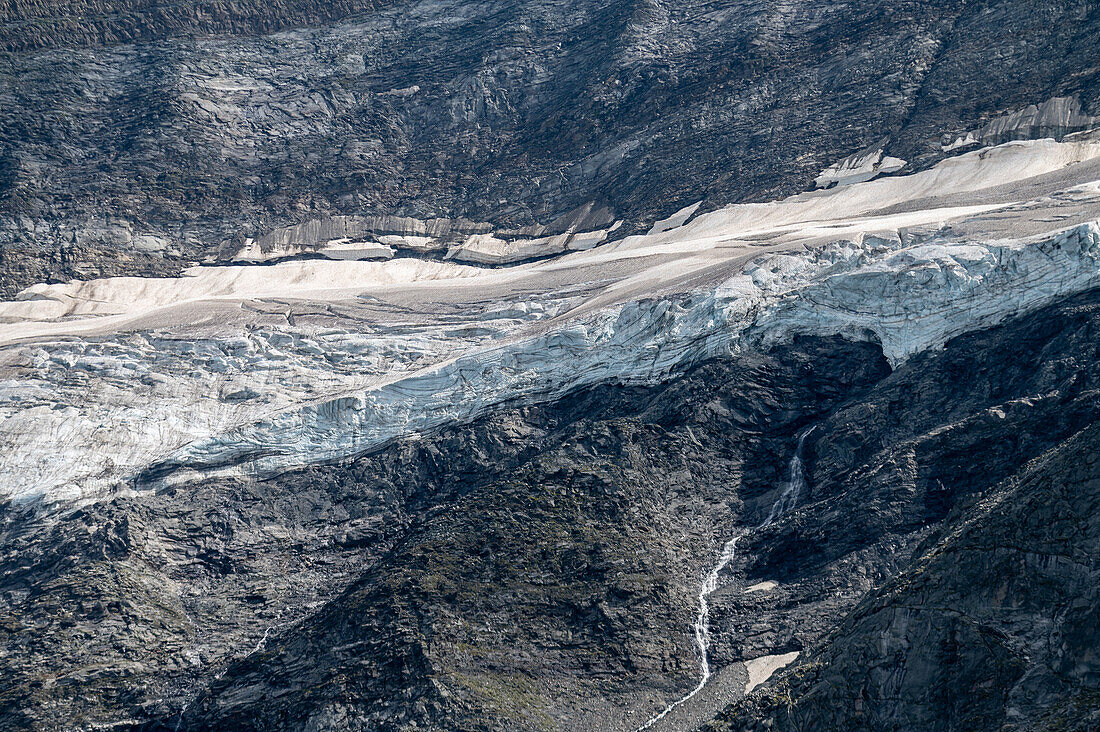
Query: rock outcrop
[{"x": 141, "y": 137}]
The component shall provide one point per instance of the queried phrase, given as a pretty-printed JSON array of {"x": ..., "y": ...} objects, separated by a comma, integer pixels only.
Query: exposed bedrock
[
  {"x": 30, "y": 24},
  {"x": 140, "y": 137},
  {"x": 538, "y": 567},
  {"x": 992, "y": 626}
]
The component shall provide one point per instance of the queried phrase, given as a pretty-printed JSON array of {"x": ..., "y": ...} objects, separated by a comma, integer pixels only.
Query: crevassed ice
[
  {"x": 128, "y": 382},
  {"x": 908, "y": 299}
]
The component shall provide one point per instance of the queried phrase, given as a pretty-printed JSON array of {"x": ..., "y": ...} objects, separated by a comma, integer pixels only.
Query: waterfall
[{"x": 792, "y": 490}]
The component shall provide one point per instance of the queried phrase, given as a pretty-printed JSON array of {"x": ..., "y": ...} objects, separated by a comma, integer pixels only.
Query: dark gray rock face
[
  {"x": 993, "y": 626},
  {"x": 992, "y": 623},
  {"x": 144, "y": 155},
  {"x": 28, "y": 25},
  {"x": 538, "y": 569}
]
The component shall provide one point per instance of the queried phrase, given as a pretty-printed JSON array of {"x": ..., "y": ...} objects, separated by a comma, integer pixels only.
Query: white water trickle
[
  {"x": 796, "y": 481},
  {"x": 263, "y": 641}
]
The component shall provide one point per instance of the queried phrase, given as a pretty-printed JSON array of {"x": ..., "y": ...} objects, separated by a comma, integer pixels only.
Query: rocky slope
[
  {"x": 479, "y": 365},
  {"x": 993, "y": 626},
  {"x": 538, "y": 568},
  {"x": 132, "y": 141},
  {"x": 992, "y": 623}
]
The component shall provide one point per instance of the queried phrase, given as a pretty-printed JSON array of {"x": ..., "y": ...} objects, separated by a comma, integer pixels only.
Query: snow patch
[
  {"x": 676, "y": 220},
  {"x": 343, "y": 248},
  {"x": 763, "y": 668},
  {"x": 765, "y": 586}
]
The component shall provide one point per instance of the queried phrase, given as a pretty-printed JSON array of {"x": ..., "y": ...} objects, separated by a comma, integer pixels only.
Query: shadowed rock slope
[
  {"x": 993, "y": 625},
  {"x": 538, "y": 568}
]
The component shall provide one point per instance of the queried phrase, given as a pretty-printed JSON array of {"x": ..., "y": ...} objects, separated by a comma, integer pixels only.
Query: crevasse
[{"x": 906, "y": 298}]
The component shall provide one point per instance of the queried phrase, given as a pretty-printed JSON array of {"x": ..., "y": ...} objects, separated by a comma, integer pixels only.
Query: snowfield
[{"x": 127, "y": 383}]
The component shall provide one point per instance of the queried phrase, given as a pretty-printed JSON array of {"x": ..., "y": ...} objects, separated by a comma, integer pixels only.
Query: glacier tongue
[
  {"x": 908, "y": 299},
  {"x": 127, "y": 382}
]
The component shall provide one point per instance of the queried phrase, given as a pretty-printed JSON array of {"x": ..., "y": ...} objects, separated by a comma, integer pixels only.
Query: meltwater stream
[{"x": 796, "y": 481}]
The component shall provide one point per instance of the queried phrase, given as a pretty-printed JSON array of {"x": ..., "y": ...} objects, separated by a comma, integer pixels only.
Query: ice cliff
[{"x": 906, "y": 298}]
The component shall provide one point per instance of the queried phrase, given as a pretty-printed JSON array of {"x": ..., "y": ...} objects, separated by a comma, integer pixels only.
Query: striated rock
[
  {"x": 394, "y": 231},
  {"x": 204, "y": 125},
  {"x": 380, "y": 237},
  {"x": 29, "y": 25}
]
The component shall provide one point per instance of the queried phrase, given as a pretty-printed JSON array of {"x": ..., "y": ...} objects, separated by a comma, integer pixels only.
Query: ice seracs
[{"x": 129, "y": 382}]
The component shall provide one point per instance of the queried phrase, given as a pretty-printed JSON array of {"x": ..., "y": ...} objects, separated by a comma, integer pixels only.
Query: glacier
[{"x": 127, "y": 384}]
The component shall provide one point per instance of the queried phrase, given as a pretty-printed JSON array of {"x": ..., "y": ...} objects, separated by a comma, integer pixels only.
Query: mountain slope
[
  {"x": 538, "y": 567},
  {"x": 549, "y": 365},
  {"x": 992, "y": 627},
  {"x": 140, "y": 158}
]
